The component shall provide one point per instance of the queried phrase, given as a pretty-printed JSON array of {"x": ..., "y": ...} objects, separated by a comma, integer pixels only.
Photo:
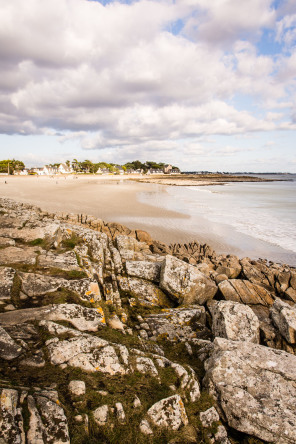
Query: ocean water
[{"x": 248, "y": 219}]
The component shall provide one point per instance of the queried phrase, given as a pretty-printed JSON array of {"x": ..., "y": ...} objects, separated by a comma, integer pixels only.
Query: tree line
[{"x": 12, "y": 165}]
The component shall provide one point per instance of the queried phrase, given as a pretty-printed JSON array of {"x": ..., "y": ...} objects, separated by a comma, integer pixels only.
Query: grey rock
[
  {"x": 77, "y": 388},
  {"x": 11, "y": 424},
  {"x": 169, "y": 413},
  {"x": 234, "y": 321},
  {"x": 185, "y": 283},
  {"x": 284, "y": 317},
  {"x": 255, "y": 388},
  {"x": 16, "y": 255},
  {"x": 66, "y": 261},
  {"x": 146, "y": 293},
  {"x": 6, "y": 282},
  {"x": 9, "y": 349},
  {"x": 101, "y": 415},
  {"x": 38, "y": 285},
  {"x": 144, "y": 270},
  {"x": 82, "y": 318},
  {"x": 176, "y": 324},
  {"x": 121, "y": 418}
]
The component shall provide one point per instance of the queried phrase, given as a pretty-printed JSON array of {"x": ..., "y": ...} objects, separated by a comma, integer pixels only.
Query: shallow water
[{"x": 249, "y": 219}]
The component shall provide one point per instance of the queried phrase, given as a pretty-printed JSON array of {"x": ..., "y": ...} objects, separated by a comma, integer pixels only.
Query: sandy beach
[
  {"x": 138, "y": 206},
  {"x": 111, "y": 198}
]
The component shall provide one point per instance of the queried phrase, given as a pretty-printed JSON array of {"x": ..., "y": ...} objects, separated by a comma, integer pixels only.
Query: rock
[
  {"x": 115, "y": 322},
  {"x": 146, "y": 365},
  {"x": 101, "y": 415},
  {"x": 6, "y": 242},
  {"x": 37, "y": 285},
  {"x": 11, "y": 423},
  {"x": 220, "y": 278},
  {"x": 145, "y": 427},
  {"x": 290, "y": 294},
  {"x": 9, "y": 349},
  {"x": 88, "y": 353},
  {"x": 284, "y": 317},
  {"x": 245, "y": 292},
  {"x": 257, "y": 273},
  {"x": 255, "y": 388},
  {"x": 169, "y": 413},
  {"x": 120, "y": 413},
  {"x": 16, "y": 255},
  {"x": 46, "y": 419},
  {"x": 144, "y": 270},
  {"x": 208, "y": 419},
  {"x": 230, "y": 272},
  {"x": 147, "y": 293},
  {"x": 127, "y": 243},
  {"x": 293, "y": 280},
  {"x": 143, "y": 236},
  {"x": 66, "y": 261},
  {"x": 185, "y": 283},
  {"x": 137, "y": 403},
  {"x": 54, "y": 420},
  {"x": 82, "y": 318},
  {"x": 234, "y": 321},
  {"x": 9, "y": 307},
  {"x": 77, "y": 388},
  {"x": 178, "y": 323},
  {"x": 6, "y": 282}
]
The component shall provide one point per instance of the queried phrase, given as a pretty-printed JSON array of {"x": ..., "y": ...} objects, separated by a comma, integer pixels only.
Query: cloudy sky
[{"x": 203, "y": 84}]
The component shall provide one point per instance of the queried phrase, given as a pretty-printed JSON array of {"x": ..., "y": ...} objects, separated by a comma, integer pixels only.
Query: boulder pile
[{"x": 108, "y": 336}]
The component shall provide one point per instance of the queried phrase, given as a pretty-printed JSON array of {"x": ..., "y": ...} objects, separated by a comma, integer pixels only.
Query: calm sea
[{"x": 248, "y": 219}]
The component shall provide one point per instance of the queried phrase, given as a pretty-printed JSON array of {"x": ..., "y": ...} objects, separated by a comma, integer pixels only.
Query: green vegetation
[
  {"x": 11, "y": 165},
  {"x": 72, "y": 242}
]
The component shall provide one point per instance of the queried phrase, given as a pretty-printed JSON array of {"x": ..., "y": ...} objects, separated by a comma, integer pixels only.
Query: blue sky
[{"x": 203, "y": 85}]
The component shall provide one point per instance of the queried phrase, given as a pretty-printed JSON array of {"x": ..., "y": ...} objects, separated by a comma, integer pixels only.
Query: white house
[
  {"x": 65, "y": 169},
  {"x": 49, "y": 171}
]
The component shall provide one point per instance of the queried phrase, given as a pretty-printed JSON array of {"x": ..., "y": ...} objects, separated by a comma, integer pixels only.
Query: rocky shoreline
[
  {"x": 185, "y": 180},
  {"x": 109, "y": 336}
]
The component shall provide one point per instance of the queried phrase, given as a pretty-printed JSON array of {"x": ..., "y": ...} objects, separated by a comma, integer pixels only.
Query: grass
[
  {"x": 15, "y": 291},
  {"x": 39, "y": 242},
  {"x": 71, "y": 242},
  {"x": 177, "y": 352},
  {"x": 62, "y": 296}
]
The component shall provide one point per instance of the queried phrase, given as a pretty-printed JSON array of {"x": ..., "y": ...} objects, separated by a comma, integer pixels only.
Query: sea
[{"x": 254, "y": 219}]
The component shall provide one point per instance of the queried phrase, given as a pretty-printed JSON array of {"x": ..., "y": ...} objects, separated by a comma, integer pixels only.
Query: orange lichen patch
[
  {"x": 69, "y": 231},
  {"x": 101, "y": 311},
  {"x": 97, "y": 368},
  {"x": 123, "y": 318},
  {"x": 109, "y": 302},
  {"x": 92, "y": 300},
  {"x": 58, "y": 402},
  {"x": 87, "y": 293}
]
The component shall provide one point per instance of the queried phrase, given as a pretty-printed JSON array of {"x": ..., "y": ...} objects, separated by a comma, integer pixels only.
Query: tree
[{"x": 11, "y": 165}]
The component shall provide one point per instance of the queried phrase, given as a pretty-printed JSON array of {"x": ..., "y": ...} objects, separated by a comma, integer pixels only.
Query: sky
[{"x": 203, "y": 85}]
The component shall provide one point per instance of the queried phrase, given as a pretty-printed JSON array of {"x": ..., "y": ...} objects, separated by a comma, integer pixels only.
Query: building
[
  {"x": 65, "y": 169},
  {"x": 154, "y": 171},
  {"x": 49, "y": 170},
  {"x": 167, "y": 169}
]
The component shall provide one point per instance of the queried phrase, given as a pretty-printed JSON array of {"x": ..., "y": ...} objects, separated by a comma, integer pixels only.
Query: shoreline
[{"x": 115, "y": 200}]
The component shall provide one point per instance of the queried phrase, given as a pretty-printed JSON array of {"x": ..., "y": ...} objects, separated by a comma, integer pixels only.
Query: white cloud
[{"x": 115, "y": 78}]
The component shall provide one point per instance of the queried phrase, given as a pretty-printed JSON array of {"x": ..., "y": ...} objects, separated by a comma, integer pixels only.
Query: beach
[{"x": 170, "y": 214}]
